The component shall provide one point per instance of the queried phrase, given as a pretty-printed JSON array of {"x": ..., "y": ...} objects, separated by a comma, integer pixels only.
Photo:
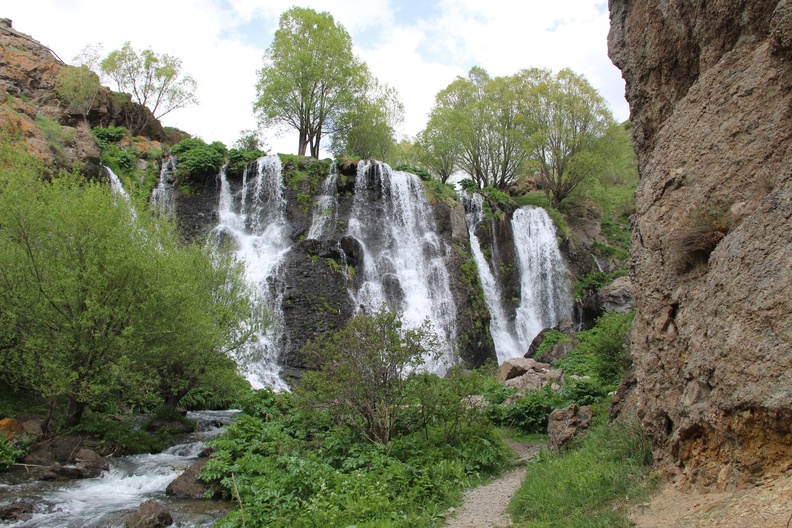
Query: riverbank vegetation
[{"x": 102, "y": 306}]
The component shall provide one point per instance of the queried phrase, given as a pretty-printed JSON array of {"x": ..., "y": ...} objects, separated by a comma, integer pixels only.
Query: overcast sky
[{"x": 416, "y": 46}]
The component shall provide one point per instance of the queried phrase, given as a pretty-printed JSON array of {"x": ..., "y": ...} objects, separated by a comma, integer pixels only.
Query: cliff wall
[{"x": 710, "y": 90}]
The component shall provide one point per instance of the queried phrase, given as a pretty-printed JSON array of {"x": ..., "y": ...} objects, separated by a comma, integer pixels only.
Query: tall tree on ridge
[{"x": 310, "y": 76}]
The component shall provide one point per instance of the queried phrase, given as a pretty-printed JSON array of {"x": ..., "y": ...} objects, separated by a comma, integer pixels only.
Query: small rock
[
  {"x": 17, "y": 511},
  {"x": 564, "y": 424}
]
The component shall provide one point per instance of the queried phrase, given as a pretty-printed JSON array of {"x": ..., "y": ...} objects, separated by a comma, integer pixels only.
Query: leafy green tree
[
  {"x": 78, "y": 87},
  {"x": 563, "y": 117},
  {"x": 361, "y": 372},
  {"x": 475, "y": 125},
  {"x": 103, "y": 309},
  {"x": 155, "y": 81},
  {"x": 310, "y": 76},
  {"x": 367, "y": 129}
]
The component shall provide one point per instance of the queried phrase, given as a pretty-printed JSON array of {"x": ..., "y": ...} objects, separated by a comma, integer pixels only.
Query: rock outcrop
[
  {"x": 30, "y": 107},
  {"x": 710, "y": 91}
]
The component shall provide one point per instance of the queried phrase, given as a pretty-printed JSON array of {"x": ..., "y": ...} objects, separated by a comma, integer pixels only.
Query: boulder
[
  {"x": 19, "y": 510},
  {"x": 89, "y": 463},
  {"x": 536, "y": 343},
  {"x": 187, "y": 484},
  {"x": 150, "y": 514},
  {"x": 512, "y": 368},
  {"x": 616, "y": 297},
  {"x": 533, "y": 380},
  {"x": 564, "y": 424},
  {"x": 10, "y": 428}
]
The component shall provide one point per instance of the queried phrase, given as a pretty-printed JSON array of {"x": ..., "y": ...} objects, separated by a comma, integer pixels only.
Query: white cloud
[{"x": 221, "y": 43}]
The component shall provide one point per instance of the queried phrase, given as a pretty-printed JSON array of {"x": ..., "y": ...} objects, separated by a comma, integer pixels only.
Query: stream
[{"x": 104, "y": 501}]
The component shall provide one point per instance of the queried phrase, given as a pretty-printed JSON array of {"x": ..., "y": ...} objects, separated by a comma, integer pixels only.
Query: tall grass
[{"x": 589, "y": 485}]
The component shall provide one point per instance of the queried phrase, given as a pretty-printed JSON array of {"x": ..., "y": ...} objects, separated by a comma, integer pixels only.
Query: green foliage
[
  {"x": 110, "y": 134},
  {"x": 421, "y": 173},
  {"x": 551, "y": 339},
  {"x": 438, "y": 191},
  {"x": 56, "y": 135},
  {"x": 595, "y": 281},
  {"x": 197, "y": 159},
  {"x": 78, "y": 87},
  {"x": 310, "y": 76},
  {"x": 294, "y": 466},
  {"x": 10, "y": 450},
  {"x": 529, "y": 413},
  {"x": 104, "y": 310},
  {"x": 588, "y": 486},
  {"x": 603, "y": 351},
  {"x": 122, "y": 434},
  {"x": 155, "y": 81},
  {"x": 239, "y": 159},
  {"x": 361, "y": 370}
]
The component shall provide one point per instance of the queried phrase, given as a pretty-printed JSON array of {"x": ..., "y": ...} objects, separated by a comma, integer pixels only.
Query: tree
[
  {"x": 367, "y": 129},
  {"x": 310, "y": 76},
  {"x": 155, "y": 81},
  {"x": 563, "y": 117},
  {"x": 474, "y": 125},
  {"x": 78, "y": 86},
  {"x": 361, "y": 371},
  {"x": 103, "y": 309}
]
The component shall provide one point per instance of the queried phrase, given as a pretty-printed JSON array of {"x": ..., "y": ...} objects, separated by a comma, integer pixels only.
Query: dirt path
[
  {"x": 766, "y": 505},
  {"x": 485, "y": 506}
]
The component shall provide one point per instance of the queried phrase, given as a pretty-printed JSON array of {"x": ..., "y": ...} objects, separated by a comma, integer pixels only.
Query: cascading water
[
  {"x": 260, "y": 233},
  {"x": 404, "y": 264},
  {"x": 103, "y": 501},
  {"x": 325, "y": 209},
  {"x": 162, "y": 196},
  {"x": 545, "y": 298},
  {"x": 501, "y": 328}
]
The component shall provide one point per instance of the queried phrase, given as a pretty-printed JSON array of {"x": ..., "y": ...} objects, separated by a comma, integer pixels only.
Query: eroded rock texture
[{"x": 710, "y": 89}]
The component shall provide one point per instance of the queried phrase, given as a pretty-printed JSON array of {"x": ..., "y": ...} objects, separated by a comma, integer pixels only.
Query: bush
[
  {"x": 239, "y": 159},
  {"x": 197, "y": 159},
  {"x": 360, "y": 372},
  {"x": 110, "y": 135}
]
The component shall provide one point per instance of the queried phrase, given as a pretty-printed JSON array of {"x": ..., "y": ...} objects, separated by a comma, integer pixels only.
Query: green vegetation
[
  {"x": 104, "y": 311},
  {"x": 586, "y": 486},
  {"x": 197, "y": 159},
  {"x": 56, "y": 135},
  {"x": 365, "y": 441},
  {"x": 78, "y": 87},
  {"x": 121, "y": 152},
  {"x": 603, "y": 352},
  {"x": 155, "y": 81}
]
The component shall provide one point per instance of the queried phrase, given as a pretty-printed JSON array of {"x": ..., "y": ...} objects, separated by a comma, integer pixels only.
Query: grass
[{"x": 590, "y": 485}]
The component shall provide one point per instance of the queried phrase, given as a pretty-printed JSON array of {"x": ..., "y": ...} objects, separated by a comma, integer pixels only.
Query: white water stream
[
  {"x": 105, "y": 500},
  {"x": 254, "y": 218}
]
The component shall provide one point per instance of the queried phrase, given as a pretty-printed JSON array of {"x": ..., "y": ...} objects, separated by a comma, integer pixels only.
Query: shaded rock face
[{"x": 710, "y": 90}]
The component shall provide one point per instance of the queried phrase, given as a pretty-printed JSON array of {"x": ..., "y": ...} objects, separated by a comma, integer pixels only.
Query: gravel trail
[{"x": 485, "y": 506}]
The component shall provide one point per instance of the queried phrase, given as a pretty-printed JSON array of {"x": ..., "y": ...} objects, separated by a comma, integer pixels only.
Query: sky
[{"x": 416, "y": 46}]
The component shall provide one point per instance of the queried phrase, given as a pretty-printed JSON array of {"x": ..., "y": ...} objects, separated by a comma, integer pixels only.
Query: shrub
[
  {"x": 239, "y": 159},
  {"x": 361, "y": 370},
  {"x": 197, "y": 159},
  {"x": 692, "y": 247},
  {"x": 110, "y": 134}
]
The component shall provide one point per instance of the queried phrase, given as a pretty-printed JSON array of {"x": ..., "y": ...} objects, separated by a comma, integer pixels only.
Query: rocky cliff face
[
  {"x": 710, "y": 90},
  {"x": 30, "y": 108}
]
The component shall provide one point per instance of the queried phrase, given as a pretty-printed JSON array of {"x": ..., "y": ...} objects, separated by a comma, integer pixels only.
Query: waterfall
[
  {"x": 501, "y": 329},
  {"x": 545, "y": 298},
  {"x": 162, "y": 196},
  {"x": 404, "y": 264},
  {"x": 260, "y": 234},
  {"x": 325, "y": 208}
]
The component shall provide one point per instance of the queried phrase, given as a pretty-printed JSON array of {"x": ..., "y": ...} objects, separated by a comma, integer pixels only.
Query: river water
[{"x": 104, "y": 501}]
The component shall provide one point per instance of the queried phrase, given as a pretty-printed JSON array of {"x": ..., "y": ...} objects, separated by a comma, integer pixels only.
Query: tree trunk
[{"x": 74, "y": 413}]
